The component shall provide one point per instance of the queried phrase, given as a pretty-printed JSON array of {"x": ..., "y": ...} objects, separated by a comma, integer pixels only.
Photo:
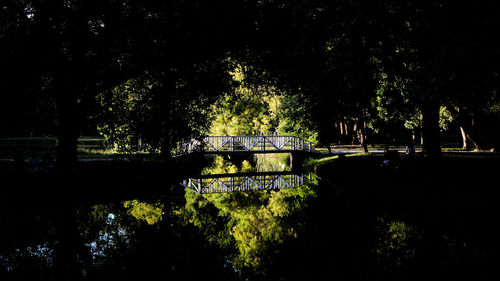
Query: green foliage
[
  {"x": 445, "y": 118},
  {"x": 296, "y": 119},
  {"x": 246, "y": 167},
  {"x": 156, "y": 111},
  {"x": 221, "y": 166},
  {"x": 314, "y": 163},
  {"x": 396, "y": 102},
  {"x": 396, "y": 245},
  {"x": 256, "y": 231},
  {"x": 151, "y": 213},
  {"x": 262, "y": 163},
  {"x": 248, "y": 110},
  {"x": 260, "y": 108},
  {"x": 124, "y": 106},
  {"x": 412, "y": 121},
  {"x": 272, "y": 162},
  {"x": 107, "y": 229},
  {"x": 253, "y": 223},
  {"x": 393, "y": 100}
]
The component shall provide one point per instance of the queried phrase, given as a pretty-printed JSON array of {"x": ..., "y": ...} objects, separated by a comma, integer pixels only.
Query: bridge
[
  {"x": 248, "y": 144},
  {"x": 224, "y": 183}
]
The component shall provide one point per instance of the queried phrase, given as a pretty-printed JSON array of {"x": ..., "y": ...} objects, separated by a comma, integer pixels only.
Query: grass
[
  {"x": 449, "y": 152},
  {"x": 311, "y": 162},
  {"x": 96, "y": 153},
  {"x": 108, "y": 153}
]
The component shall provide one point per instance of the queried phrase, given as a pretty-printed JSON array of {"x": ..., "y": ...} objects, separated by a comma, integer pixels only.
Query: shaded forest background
[{"x": 149, "y": 74}]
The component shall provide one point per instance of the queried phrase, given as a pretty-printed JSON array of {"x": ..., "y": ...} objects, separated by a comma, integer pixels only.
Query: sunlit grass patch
[
  {"x": 311, "y": 162},
  {"x": 93, "y": 151}
]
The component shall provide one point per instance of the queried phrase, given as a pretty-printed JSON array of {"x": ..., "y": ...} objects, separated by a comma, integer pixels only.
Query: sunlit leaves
[
  {"x": 253, "y": 223},
  {"x": 396, "y": 246},
  {"x": 220, "y": 166},
  {"x": 156, "y": 111},
  {"x": 151, "y": 213},
  {"x": 250, "y": 109}
]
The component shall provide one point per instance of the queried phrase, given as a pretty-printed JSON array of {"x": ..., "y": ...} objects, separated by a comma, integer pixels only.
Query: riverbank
[
  {"x": 379, "y": 154},
  {"x": 438, "y": 213}
]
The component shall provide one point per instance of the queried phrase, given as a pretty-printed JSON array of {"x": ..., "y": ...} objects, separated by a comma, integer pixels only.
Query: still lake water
[{"x": 351, "y": 220}]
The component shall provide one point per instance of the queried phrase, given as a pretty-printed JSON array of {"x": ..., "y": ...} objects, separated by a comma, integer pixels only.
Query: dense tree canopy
[
  {"x": 70, "y": 51},
  {"x": 338, "y": 66},
  {"x": 349, "y": 57},
  {"x": 148, "y": 75}
]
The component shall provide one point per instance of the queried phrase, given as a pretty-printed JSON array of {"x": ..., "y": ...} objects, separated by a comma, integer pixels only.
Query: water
[{"x": 355, "y": 221}]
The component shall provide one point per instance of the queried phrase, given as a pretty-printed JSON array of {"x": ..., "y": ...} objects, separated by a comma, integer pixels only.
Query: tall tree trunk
[
  {"x": 420, "y": 128},
  {"x": 165, "y": 146},
  {"x": 466, "y": 127},
  {"x": 354, "y": 132},
  {"x": 65, "y": 261},
  {"x": 67, "y": 147},
  {"x": 362, "y": 139},
  {"x": 344, "y": 132},
  {"x": 70, "y": 249},
  {"x": 430, "y": 130},
  {"x": 68, "y": 129},
  {"x": 464, "y": 138},
  {"x": 362, "y": 133}
]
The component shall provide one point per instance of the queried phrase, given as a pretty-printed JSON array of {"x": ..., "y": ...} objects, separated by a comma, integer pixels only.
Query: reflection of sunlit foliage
[
  {"x": 34, "y": 258},
  {"x": 151, "y": 213},
  {"x": 106, "y": 232},
  {"x": 272, "y": 162},
  {"x": 259, "y": 163},
  {"x": 396, "y": 246},
  {"x": 108, "y": 241},
  {"x": 220, "y": 166},
  {"x": 256, "y": 231},
  {"x": 246, "y": 167},
  {"x": 107, "y": 228},
  {"x": 249, "y": 225}
]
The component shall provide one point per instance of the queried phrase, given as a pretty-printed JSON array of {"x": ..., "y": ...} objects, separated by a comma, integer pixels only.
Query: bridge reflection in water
[{"x": 246, "y": 182}]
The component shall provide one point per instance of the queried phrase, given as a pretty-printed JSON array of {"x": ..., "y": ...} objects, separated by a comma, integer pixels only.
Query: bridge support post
[{"x": 297, "y": 159}]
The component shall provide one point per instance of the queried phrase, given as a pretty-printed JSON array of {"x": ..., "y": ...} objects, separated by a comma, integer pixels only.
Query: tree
[
  {"x": 79, "y": 49},
  {"x": 433, "y": 45},
  {"x": 138, "y": 115},
  {"x": 254, "y": 224},
  {"x": 339, "y": 54},
  {"x": 329, "y": 65},
  {"x": 249, "y": 108}
]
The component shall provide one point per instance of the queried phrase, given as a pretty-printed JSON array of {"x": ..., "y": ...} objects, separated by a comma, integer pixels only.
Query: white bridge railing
[
  {"x": 237, "y": 183},
  {"x": 255, "y": 144}
]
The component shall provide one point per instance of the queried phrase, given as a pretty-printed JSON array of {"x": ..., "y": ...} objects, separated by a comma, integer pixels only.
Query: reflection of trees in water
[
  {"x": 137, "y": 239},
  {"x": 149, "y": 212},
  {"x": 396, "y": 245},
  {"x": 256, "y": 163},
  {"x": 310, "y": 233},
  {"x": 107, "y": 231},
  {"x": 272, "y": 162},
  {"x": 28, "y": 261},
  {"x": 250, "y": 226}
]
